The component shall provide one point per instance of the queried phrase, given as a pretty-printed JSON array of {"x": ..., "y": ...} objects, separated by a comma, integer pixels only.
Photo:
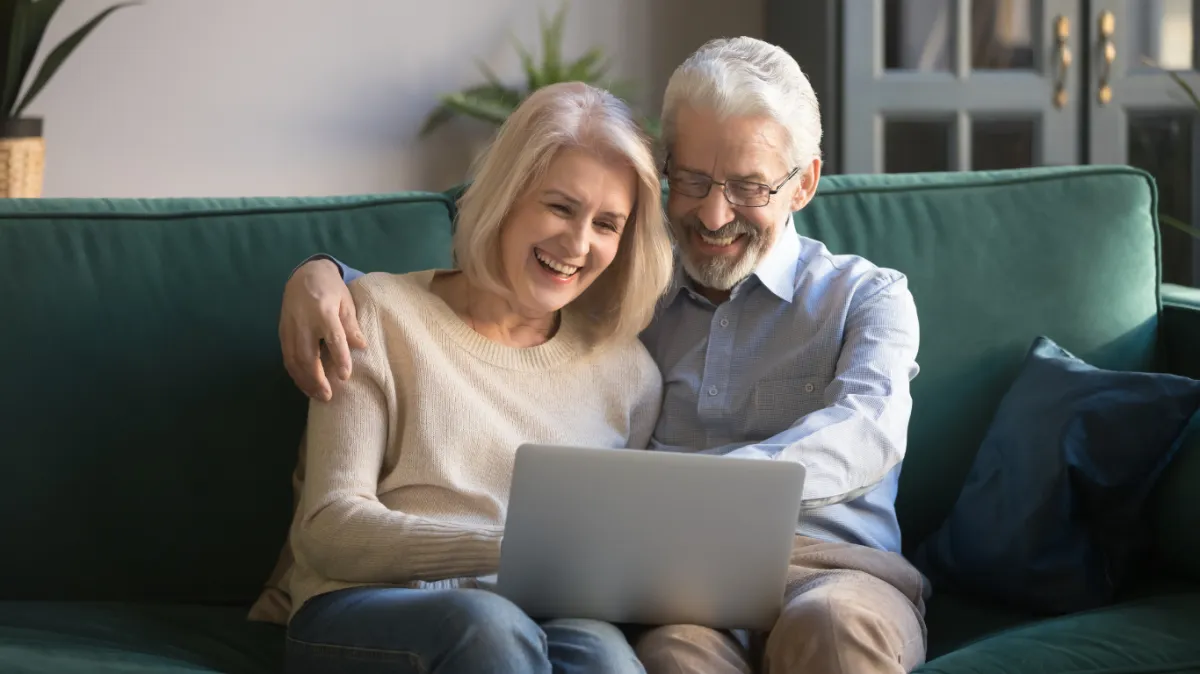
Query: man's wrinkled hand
[{"x": 318, "y": 310}]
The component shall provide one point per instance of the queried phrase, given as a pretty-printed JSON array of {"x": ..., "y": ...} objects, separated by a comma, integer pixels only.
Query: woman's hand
[{"x": 317, "y": 307}]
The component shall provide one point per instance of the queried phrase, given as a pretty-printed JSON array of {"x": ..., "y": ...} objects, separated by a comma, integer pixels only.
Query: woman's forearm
[{"x": 358, "y": 539}]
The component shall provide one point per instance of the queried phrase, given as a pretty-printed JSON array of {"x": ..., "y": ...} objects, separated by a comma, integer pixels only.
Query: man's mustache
[{"x": 731, "y": 229}]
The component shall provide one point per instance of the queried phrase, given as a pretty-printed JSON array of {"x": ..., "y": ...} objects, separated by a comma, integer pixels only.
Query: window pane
[
  {"x": 911, "y": 146},
  {"x": 1163, "y": 31},
  {"x": 1162, "y": 144},
  {"x": 1002, "y": 34},
  {"x": 918, "y": 35},
  {"x": 1002, "y": 144}
]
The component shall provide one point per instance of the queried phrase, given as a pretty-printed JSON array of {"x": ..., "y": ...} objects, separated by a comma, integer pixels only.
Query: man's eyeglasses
[{"x": 744, "y": 193}]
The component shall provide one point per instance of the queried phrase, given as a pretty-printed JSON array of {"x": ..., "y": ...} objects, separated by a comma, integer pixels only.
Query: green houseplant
[
  {"x": 22, "y": 28},
  {"x": 493, "y": 101}
]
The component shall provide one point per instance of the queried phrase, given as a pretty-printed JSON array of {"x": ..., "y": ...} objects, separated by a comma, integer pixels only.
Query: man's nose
[{"x": 715, "y": 212}]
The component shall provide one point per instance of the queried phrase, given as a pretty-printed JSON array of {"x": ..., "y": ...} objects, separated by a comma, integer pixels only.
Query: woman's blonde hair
[{"x": 621, "y": 301}]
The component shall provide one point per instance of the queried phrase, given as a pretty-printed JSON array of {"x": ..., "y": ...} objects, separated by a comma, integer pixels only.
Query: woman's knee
[
  {"x": 581, "y": 645},
  {"x": 442, "y": 630},
  {"x": 489, "y": 619}
]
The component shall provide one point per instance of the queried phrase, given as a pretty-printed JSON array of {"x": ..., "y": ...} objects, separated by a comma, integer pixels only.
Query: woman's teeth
[
  {"x": 559, "y": 268},
  {"x": 722, "y": 242}
]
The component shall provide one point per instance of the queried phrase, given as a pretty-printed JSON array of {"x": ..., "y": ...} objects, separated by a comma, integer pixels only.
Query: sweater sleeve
[
  {"x": 647, "y": 400},
  {"x": 345, "y": 533}
]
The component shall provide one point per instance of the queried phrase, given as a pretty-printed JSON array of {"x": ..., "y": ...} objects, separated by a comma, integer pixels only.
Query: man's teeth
[
  {"x": 564, "y": 269},
  {"x": 724, "y": 241}
]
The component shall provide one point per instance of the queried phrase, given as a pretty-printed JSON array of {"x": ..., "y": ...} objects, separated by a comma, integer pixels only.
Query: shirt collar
[{"x": 776, "y": 271}]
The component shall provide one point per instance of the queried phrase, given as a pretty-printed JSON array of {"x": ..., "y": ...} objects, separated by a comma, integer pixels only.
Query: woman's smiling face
[{"x": 565, "y": 230}]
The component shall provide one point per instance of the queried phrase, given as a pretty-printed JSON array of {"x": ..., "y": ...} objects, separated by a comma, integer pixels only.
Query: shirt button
[
  {"x": 808, "y": 388},
  {"x": 712, "y": 390},
  {"x": 724, "y": 322}
]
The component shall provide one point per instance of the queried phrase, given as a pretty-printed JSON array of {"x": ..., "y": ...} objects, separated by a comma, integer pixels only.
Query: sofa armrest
[
  {"x": 1181, "y": 329},
  {"x": 1175, "y": 508}
]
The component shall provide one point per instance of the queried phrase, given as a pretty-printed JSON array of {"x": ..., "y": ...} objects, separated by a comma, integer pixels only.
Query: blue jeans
[{"x": 399, "y": 631}]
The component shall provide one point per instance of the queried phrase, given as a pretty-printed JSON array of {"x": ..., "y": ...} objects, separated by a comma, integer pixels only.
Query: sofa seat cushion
[
  {"x": 103, "y": 638},
  {"x": 1153, "y": 634},
  {"x": 954, "y": 620}
]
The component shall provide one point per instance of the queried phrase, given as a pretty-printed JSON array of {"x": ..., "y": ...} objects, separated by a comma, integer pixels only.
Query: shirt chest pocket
[{"x": 776, "y": 403}]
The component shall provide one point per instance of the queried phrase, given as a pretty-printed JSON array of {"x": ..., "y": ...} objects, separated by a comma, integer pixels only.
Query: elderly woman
[{"x": 563, "y": 254}]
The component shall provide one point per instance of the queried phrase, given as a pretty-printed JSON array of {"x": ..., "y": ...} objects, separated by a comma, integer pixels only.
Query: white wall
[{"x": 304, "y": 97}]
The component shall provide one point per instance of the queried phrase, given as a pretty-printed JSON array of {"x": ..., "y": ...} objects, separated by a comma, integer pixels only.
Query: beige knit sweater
[{"x": 408, "y": 467}]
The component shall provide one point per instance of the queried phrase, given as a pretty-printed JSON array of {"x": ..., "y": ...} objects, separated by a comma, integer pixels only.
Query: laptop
[{"x": 649, "y": 537}]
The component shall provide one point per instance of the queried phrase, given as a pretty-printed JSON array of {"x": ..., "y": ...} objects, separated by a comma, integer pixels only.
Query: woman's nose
[{"x": 575, "y": 240}]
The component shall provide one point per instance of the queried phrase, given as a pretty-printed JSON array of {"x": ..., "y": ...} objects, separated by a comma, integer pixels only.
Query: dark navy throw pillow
[{"x": 1050, "y": 517}]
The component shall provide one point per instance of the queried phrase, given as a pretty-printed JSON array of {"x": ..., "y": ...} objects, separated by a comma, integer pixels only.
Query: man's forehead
[
  {"x": 737, "y": 146},
  {"x": 735, "y": 160}
]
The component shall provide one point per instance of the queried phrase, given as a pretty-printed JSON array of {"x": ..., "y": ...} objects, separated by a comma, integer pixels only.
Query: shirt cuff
[{"x": 321, "y": 256}]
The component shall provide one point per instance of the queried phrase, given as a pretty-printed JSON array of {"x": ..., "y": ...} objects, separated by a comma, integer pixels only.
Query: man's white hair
[{"x": 743, "y": 76}]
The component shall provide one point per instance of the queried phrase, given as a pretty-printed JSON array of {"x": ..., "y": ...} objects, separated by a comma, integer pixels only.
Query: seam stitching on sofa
[
  {"x": 217, "y": 212},
  {"x": 961, "y": 184}
]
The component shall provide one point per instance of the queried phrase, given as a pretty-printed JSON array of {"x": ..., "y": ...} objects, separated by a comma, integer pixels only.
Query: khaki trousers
[{"x": 848, "y": 609}]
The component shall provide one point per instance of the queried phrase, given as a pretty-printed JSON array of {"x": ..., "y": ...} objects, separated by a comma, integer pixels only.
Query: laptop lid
[{"x": 649, "y": 537}]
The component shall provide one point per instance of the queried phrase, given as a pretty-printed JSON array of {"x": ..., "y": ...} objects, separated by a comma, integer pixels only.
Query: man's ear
[{"x": 808, "y": 185}]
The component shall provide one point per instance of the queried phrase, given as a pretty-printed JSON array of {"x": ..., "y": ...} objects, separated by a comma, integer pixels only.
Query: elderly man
[{"x": 771, "y": 347}]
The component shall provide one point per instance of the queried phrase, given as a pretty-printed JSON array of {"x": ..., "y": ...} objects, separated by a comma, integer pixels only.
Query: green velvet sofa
[{"x": 148, "y": 429}]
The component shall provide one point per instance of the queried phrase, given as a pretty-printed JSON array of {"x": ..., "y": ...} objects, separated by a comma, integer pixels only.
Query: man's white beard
[{"x": 721, "y": 273}]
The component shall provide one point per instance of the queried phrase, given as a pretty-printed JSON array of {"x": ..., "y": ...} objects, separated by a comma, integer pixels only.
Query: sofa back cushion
[
  {"x": 149, "y": 429},
  {"x": 994, "y": 260}
]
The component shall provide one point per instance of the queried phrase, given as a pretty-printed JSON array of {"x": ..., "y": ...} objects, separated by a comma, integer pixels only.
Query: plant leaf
[
  {"x": 62, "y": 52},
  {"x": 497, "y": 94},
  {"x": 1179, "y": 224},
  {"x": 1187, "y": 88},
  {"x": 588, "y": 68},
  {"x": 494, "y": 101},
  {"x": 439, "y": 116},
  {"x": 495, "y": 87},
  {"x": 533, "y": 78},
  {"x": 38, "y": 16},
  {"x": 478, "y": 107},
  {"x": 488, "y": 73},
  {"x": 621, "y": 89},
  {"x": 494, "y": 94},
  {"x": 552, "y": 35},
  {"x": 652, "y": 127},
  {"x": 14, "y": 12}
]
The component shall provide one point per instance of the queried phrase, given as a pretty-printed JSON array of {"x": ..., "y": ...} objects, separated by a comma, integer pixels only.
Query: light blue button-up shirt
[{"x": 809, "y": 360}]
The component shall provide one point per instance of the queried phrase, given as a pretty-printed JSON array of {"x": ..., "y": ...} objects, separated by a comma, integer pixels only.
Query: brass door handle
[
  {"x": 1062, "y": 31},
  {"x": 1108, "y": 53}
]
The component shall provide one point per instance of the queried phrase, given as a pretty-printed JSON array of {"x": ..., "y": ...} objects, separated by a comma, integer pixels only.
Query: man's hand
[{"x": 317, "y": 306}]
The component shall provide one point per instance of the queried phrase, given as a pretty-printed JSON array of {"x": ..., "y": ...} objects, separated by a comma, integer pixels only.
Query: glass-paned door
[
  {"x": 1139, "y": 115},
  {"x": 937, "y": 85}
]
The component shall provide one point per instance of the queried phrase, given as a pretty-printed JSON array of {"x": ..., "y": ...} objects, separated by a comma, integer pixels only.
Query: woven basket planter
[{"x": 22, "y": 158}]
